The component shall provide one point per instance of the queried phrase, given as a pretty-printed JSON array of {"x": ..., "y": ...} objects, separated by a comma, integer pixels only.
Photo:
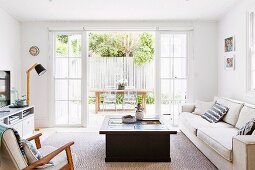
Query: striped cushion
[
  {"x": 248, "y": 128},
  {"x": 215, "y": 113}
]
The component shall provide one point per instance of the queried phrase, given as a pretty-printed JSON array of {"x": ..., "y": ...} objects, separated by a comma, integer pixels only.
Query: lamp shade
[{"x": 40, "y": 69}]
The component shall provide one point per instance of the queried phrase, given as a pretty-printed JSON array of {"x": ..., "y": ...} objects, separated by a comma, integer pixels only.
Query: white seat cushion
[
  {"x": 219, "y": 139},
  {"x": 246, "y": 114},
  {"x": 193, "y": 122},
  {"x": 59, "y": 161}
]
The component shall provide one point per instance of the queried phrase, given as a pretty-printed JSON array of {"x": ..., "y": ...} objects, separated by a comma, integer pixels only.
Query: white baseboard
[{"x": 42, "y": 123}]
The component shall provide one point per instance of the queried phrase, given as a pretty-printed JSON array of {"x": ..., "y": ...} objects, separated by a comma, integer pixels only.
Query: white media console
[{"x": 21, "y": 119}]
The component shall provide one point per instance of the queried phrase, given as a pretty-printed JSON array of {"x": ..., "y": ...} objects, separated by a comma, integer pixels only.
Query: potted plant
[
  {"x": 139, "y": 114},
  {"x": 121, "y": 84}
]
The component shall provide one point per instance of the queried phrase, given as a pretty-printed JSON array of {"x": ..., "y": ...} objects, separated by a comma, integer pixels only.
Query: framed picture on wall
[
  {"x": 229, "y": 44},
  {"x": 229, "y": 62}
]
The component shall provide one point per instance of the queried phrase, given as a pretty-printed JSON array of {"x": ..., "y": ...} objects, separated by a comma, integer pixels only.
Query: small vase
[
  {"x": 139, "y": 115},
  {"x": 121, "y": 87}
]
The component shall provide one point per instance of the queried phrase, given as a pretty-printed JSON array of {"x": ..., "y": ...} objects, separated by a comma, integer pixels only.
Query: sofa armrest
[
  {"x": 244, "y": 152},
  {"x": 188, "y": 107}
]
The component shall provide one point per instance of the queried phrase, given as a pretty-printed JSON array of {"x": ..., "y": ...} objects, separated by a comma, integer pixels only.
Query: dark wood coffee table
[{"x": 144, "y": 141}]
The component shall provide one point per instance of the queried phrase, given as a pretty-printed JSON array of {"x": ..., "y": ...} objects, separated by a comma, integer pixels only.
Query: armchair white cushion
[
  {"x": 59, "y": 161},
  {"x": 11, "y": 156}
]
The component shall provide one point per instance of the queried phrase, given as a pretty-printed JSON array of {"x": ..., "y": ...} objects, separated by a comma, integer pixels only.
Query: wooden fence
[{"x": 106, "y": 71}]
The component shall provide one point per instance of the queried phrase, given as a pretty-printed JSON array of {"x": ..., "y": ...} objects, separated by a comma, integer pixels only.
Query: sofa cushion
[
  {"x": 248, "y": 128},
  {"x": 193, "y": 122},
  {"x": 234, "y": 110},
  {"x": 201, "y": 107},
  {"x": 246, "y": 114},
  {"x": 187, "y": 107},
  {"x": 219, "y": 139},
  {"x": 215, "y": 113}
]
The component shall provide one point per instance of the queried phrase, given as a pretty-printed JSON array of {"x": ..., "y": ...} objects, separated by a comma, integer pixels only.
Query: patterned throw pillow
[
  {"x": 248, "y": 128},
  {"x": 215, "y": 113},
  {"x": 33, "y": 154}
]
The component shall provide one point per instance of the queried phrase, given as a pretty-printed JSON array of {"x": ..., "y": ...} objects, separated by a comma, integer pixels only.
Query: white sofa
[{"x": 219, "y": 141}]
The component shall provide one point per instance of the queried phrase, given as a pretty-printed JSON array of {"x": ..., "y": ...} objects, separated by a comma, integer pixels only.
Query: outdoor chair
[
  {"x": 130, "y": 87},
  {"x": 12, "y": 158},
  {"x": 110, "y": 97},
  {"x": 129, "y": 98}
]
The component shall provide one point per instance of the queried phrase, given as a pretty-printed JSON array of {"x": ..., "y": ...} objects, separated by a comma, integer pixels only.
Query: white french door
[
  {"x": 173, "y": 50},
  {"x": 70, "y": 68},
  {"x": 67, "y": 79}
]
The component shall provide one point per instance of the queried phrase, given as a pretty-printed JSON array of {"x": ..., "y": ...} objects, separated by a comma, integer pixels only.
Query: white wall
[
  {"x": 36, "y": 33},
  {"x": 205, "y": 61},
  {"x": 10, "y": 47},
  {"x": 232, "y": 84}
]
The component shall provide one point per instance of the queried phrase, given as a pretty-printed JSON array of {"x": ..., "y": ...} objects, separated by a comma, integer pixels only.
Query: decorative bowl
[{"x": 128, "y": 119}]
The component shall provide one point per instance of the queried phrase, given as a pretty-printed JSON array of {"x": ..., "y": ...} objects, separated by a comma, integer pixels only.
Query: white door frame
[
  {"x": 52, "y": 49},
  {"x": 157, "y": 72},
  {"x": 158, "y": 64},
  {"x": 85, "y": 65},
  {"x": 85, "y": 78}
]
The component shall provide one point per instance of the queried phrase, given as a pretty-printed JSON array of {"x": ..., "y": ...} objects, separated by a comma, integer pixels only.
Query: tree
[
  {"x": 130, "y": 43},
  {"x": 61, "y": 45},
  {"x": 76, "y": 47},
  {"x": 137, "y": 45},
  {"x": 145, "y": 53},
  {"x": 105, "y": 44}
]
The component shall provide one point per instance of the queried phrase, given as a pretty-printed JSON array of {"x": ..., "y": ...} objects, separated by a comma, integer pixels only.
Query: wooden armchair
[{"x": 11, "y": 157}]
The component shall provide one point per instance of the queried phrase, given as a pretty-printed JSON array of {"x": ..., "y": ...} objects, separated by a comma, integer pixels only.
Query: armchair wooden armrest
[
  {"x": 51, "y": 155},
  {"x": 37, "y": 140}
]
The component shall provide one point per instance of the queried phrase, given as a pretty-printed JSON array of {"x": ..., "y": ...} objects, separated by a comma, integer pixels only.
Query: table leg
[
  {"x": 97, "y": 105},
  {"x": 144, "y": 101}
]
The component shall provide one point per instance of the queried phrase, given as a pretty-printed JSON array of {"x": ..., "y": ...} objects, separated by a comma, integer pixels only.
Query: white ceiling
[{"x": 77, "y": 10}]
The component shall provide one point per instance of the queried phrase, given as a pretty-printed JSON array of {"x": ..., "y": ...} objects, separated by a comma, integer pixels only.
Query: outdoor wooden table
[{"x": 98, "y": 92}]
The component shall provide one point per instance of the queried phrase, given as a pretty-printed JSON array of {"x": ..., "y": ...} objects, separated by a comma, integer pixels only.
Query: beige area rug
[{"x": 89, "y": 151}]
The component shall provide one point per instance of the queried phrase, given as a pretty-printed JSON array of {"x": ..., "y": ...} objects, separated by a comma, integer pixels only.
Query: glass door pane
[
  {"x": 166, "y": 95},
  {"x": 68, "y": 79},
  {"x": 166, "y": 44},
  {"x": 61, "y": 112},
  {"x": 253, "y": 80},
  {"x": 166, "y": 70},
  {"x": 180, "y": 68},
  {"x": 180, "y": 89},
  {"x": 180, "y": 45},
  {"x": 75, "y": 112},
  {"x": 173, "y": 59}
]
